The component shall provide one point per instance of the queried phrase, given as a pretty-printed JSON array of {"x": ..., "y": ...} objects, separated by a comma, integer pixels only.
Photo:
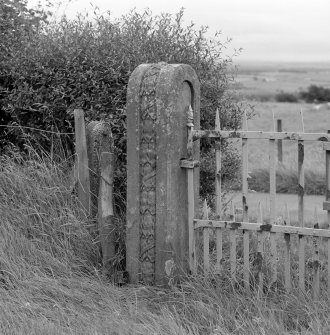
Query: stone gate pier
[{"x": 158, "y": 99}]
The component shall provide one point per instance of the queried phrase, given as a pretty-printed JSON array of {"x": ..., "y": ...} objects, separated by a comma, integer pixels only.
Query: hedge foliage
[
  {"x": 286, "y": 97},
  {"x": 316, "y": 94},
  {"x": 52, "y": 68}
]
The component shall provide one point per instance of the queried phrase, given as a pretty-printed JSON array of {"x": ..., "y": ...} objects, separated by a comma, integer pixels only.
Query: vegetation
[
  {"x": 316, "y": 94},
  {"x": 52, "y": 68},
  {"x": 287, "y": 181},
  {"x": 50, "y": 281},
  {"x": 286, "y": 97}
]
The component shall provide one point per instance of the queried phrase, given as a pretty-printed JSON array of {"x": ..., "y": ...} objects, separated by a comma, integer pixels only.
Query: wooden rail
[
  {"x": 274, "y": 233},
  {"x": 262, "y": 230},
  {"x": 290, "y": 136},
  {"x": 262, "y": 227}
]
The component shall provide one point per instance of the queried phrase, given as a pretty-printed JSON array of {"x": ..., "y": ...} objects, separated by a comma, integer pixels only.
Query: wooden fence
[
  {"x": 93, "y": 179},
  {"x": 264, "y": 243}
]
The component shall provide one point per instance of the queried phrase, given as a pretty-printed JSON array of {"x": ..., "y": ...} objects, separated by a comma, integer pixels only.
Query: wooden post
[
  {"x": 82, "y": 161},
  {"x": 218, "y": 200},
  {"x": 260, "y": 251},
  {"x": 245, "y": 190},
  {"x": 206, "y": 240},
  {"x": 287, "y": 263},
  {"x": 272, "y": 200},
  {"x": 279, "y": 142},
  {"x": 316, "y": 259},
  {"x": 232, "y": 241},
  {"x": 99, "y": 139},
  {"x": 105, "y": 212},
  {"x": 272, "y": 180},
  {"x": 327, "y": 198},
  {"x": 301, "y": 191}
]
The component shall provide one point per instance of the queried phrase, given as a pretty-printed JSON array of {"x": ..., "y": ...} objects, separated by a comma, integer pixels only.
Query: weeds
[{"x": 50, "y": 282}]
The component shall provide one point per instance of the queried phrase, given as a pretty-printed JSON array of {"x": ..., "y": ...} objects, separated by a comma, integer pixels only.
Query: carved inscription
[{"x": 148, "y": 157}]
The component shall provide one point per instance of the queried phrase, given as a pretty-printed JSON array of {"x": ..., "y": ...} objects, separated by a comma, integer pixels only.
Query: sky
[{"x": 266, "y": 30}]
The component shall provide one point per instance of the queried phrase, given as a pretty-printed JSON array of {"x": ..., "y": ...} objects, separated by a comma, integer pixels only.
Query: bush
[
  {"x": 86, "y": 64},
  {"x": 286, "y": 97},
  {"x": 316, "y": 94}
]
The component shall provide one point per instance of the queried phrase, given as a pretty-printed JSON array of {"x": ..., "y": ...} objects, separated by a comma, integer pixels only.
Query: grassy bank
[
  {"x": 50, "y": 279},
  {"x": 287, "y": 181}
]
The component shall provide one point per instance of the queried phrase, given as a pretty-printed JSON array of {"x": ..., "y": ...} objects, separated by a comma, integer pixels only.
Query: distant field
[{"x": 265, "y": 80}]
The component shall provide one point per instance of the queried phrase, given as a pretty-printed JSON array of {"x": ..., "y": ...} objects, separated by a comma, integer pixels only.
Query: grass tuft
[{"x": 50, "y": 281}]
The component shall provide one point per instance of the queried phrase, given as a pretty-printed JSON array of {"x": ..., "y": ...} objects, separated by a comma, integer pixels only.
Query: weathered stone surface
[
  {"x": 99, "y": 139},
  {"x": 157, "y": 230}
]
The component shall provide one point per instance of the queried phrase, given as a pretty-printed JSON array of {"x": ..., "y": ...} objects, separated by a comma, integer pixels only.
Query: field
[{"x": 257, "y": 80}]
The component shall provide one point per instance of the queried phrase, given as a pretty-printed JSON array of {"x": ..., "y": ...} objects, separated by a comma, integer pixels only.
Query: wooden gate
[{"x": 258, "y": 254}]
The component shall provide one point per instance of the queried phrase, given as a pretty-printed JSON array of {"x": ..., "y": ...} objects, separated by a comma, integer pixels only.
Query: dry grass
[{"x": 50, "y": 281}]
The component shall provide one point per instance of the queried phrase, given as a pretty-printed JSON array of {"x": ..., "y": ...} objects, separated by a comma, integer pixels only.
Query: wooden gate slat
[
  {"x": 302, "y": 243},
  {"x": 287, "y": 263},
  {"x": 218, "y": 201},
  {"x": 232, "y": 242},
  {"x": 246, "y": 259},
  {"x": 273, "y": 257},
  {"x": 301, "y": 191},
  {"x": 245, "y": 190},
  {"x": 260, "y": 252},
  {"x": 316, "y": 269},
  {"x": 232, "y": 237},
  {"x": 301, "y": 183},
  {"x": 328, "y": 245},
  {"x": 272, "y": 181},
  {"x": 206, "y": 250},
  {"x": 219, "y": 249},
  {"x": 191, "y": 210},
  {"x": 316, "y": 259},
  {"x": 327, "y": 169}
]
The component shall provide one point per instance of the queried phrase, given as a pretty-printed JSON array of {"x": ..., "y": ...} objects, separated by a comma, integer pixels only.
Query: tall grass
[
  {"x": 50, "y": 281},
  {"x": 287, "y": 181}
]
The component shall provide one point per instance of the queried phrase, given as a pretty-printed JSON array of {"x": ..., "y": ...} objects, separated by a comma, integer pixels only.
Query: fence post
[
  {"x": 99, "y": 140},
  {"x": 82, "y": 161},
  {"x": 326, "y": 204},
  {"x": 158, "y": 98},
  {"x": 279, "y": 142},
  {"x": 105, "y": 212}
]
